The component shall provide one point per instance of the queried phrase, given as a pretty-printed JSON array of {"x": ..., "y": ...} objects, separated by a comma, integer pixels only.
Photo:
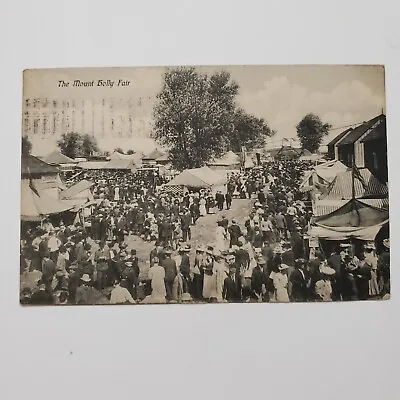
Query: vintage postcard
[{"x": 224, "y": 184}]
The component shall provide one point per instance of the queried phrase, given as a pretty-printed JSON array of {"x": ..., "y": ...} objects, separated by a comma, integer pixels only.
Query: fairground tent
[
  {"x": 35, "y": 205},
  {"x": 355, "y": 219},
  {"x": 199, "y": 178},
  {"x": 57, "y": 158},
  {"x": 78, "y": 195},
  {"x": 365, "y": 185},
  {"x": 322, "y": 174},
  {"x": 229, "y": 161}
]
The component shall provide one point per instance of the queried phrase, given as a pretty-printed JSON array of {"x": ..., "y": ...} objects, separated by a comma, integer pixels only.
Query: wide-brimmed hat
[
  {"x": 369, "y": 246},
  {"x": 282, "y": 267},
  {"x": 386, "y": 243},
  {"x": 85, "y": 278},
  {"x": 167, "y": 251},
  {"x": 186, "y": 297},
  {"x": 185, "y": 248},
  {"x": 325, "y": 270},
  {"x": 201, "y": 248},
  {"x": 217, "y": 253},
  {"x": 345, "y": 245},
  {"x": 300, "y": 261}
]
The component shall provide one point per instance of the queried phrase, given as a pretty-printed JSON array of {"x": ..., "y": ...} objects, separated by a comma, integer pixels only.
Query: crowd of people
[{"x": 265, "y": 258}]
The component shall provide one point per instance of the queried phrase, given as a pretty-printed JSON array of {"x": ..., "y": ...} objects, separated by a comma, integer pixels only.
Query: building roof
[
  {"x": 378, "y": 133},
  {"x": 325, "y": 207},
  {"x": 31, "y": 165},
  {"x": 76, "y": 189},
  {"x": 339, "y": 137},
  {"x": 357, "y": 132},
  {"x": 57, "y": 158}
]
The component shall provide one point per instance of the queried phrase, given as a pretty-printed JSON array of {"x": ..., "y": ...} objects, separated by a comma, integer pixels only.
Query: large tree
[
  {"x": 310, "y": 131},
  {"x": 74, "y": 145},
  {"x": 196, "y": 117},
  {"x": 26, "y": 146},
  {"x": 248, "y": 131}
]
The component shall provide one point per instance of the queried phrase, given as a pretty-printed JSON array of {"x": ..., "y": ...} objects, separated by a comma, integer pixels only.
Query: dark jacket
[
  {"x": 299, "y": 285},
  {"x": 232, "y": 289},
  {"x": 170, "y": 269}
]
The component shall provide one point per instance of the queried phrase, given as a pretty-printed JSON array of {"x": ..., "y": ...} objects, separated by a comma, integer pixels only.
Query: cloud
[{"x": 283, "y": 104}]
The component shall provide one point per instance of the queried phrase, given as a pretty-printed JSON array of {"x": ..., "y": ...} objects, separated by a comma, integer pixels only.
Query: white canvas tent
[
  {"x": 35, "y": 204},
  {"x": 322, "y": 174},
  {"x": 198, "y": 178},
  {"x": 229, "y": 161}
]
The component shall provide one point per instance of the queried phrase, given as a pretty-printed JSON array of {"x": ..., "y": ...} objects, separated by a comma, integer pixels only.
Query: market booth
[{"x": 196, "y": 179}]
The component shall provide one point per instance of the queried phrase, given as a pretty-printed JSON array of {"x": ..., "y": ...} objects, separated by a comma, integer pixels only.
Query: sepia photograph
[{"x": 204, "y": 184}]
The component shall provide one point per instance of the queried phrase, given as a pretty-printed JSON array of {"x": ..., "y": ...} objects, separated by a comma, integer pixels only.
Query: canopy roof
[
  {"x": 197, "y": 178},
  {"x": 35, "y": 204},
  {"x": 354, "y": 214},
  {"x": 230, "y": 158},
  {"x": 120, "y": 164},
  {"x": 57, "y": 158},
  {"x": 31, "y": 165},
  {"x": 342, "y": 186},
  {"x": 74, "y": 190},
  {"x": 329, "y": 233},
  {"x": 325, "y": 207}
]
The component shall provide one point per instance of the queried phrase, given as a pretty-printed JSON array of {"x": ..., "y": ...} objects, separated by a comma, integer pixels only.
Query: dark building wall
[
  {"x": 331, "y": 152},
  {"x": 346, "y": 154},
  {"x": 375, "y": 156}
]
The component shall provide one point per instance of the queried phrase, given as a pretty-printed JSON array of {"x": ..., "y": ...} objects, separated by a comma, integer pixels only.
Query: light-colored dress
[
  {"x": 116, "y": 194},
  {"x": 157, "y": 276},
  {"x": 323, "y": 289},
  {"x": 220, "y": 271},
  {"x": 280, "y": 282},
  {"x": 202, "y": 208},
  {"x": 219, "y": 238},
  {"x": 210, "y": 281}
]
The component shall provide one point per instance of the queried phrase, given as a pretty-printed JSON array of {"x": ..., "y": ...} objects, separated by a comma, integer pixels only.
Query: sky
[{"x": 282, "y": 95}]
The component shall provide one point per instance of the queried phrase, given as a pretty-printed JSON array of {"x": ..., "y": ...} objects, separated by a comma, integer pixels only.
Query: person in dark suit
[
  {"x": 232, "y": 288},
  {"x": 228, "y": 200},
  {"x": 363, "y": 277},
  {"x": 170, "y": 272},
  {"x": 298, "y": 282},
  {"x": 220, "y": 198},
  {"x": 258, "y": 280},
  {"x": 261, "y": 197}
]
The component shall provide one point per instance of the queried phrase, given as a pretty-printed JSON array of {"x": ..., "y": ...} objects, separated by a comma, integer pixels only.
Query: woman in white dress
[
  {"x": 219, "y": 237},
  {"x": 157, "y": 278},
  {"x": 210, "y": 281},
  {"x": 116, "y": 193},
  {"x": 203, "y": 210},
  {"x": 220, "y": 271},
  {"x": 323, "y": 287},
  {"x": 280, "y": 282}
]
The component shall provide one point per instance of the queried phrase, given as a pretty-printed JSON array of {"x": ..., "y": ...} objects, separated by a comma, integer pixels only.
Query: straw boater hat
[
  {"x": 327, "y": 270},
  {"x": 283, "y": 267},
  {"x": 386, "y": 243},
  {"x": 201, "y": 248},
  {"x": 186, "y": 297},
  {"x": 369, "y": 246},
  {"x": 345, "y": 245},
  {"x": 167, "y": 251},
  {"x": 85, "y": 278},
  {"x": 217, "y": 253}
]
